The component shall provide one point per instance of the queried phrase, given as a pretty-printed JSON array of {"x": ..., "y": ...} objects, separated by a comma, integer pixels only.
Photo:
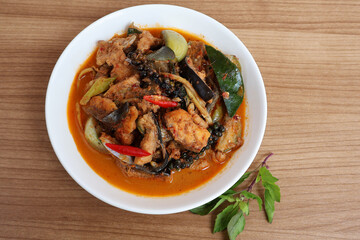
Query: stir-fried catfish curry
[{"x": 157, "y": 111}]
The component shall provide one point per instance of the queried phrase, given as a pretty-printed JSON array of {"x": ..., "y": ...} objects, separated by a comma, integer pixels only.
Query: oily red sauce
[{"x": 104, "y": 164}]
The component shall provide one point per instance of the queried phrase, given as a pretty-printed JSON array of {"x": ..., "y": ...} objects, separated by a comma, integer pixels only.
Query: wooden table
[{"x": 309, "y": 56}]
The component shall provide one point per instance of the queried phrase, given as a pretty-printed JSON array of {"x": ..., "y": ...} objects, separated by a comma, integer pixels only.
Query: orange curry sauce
[{"x": 104, "y": 164}]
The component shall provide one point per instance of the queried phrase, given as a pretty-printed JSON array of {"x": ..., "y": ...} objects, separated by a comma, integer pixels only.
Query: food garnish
[
  {"x": 128, "y": 150},
  {"x": 232, "y": 217},
  {"x": 229, "y": 78},
  {"x": 176, "y": 42},
  {"x": 161, "y": 101}
]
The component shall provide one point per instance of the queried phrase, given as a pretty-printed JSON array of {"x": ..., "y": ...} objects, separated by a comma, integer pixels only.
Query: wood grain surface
[{"x": 309, "y": 55}]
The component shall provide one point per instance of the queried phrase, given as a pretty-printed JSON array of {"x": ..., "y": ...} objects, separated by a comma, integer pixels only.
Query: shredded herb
[{"x": 232, "y": 217}]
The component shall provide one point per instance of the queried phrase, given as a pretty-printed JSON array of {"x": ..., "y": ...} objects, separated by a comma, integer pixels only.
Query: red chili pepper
[
  {"x": 162, "y": 101},
  {"x": 236, "y": 117},
  {"x": 128, "y": 150},
  {"x": 225, "y": 75}
]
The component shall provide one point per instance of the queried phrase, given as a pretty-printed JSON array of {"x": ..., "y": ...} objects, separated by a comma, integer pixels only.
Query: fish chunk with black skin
[
  {"x": 125, "y": 89},
  {"x": 103, "y": 71},
  {"x": 150, "y": 141},
  {"x": 124, "y": 133},
  {"x": 130, "y": 88},
  {"x": 195, "y": 55},
  {"x": 174, "y": 150},
  {"x": 145, "y": 107},
  {"x": 185, "y": 131},
  {"x": 99, "y": 107},
  {"x": 232, "y": 135},
  {"x": 146, "y": 41},
  {"x": 112, "y": 53}
]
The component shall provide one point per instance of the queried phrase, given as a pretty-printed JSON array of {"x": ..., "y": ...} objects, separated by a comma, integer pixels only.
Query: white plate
[{"x": 152, "y": 15}]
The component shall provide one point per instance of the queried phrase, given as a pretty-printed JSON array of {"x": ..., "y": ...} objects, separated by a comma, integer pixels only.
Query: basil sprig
[{"x": 232, "y": 217}]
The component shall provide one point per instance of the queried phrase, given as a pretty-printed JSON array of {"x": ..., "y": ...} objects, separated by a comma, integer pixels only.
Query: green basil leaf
[
  {"x": 229, "y": 198},
  {"x": 258, "y": 178},
  {"x": 253, "y": 196},
  {"x": 229, "y": 78},
  {"x": 273, "y": 189},
  {"x": 242, "y": 179},
  {"x": 208, "y": 207},
  {"x": 266, "y": 176},
  {"x": 223, "y": 218},
  {"x": 269, "y": 205},
  {"x": 217, "y": 204},
  {"x": 236, "y": 225},
  {"x": 244, "y": 206}
]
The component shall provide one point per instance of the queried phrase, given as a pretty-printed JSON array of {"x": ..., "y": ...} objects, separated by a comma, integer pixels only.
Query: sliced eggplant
[
  {"x": 199, "y": 85},
  {"x": 163, "y": 54},
  {"x": 124, "y": 158},
  {"x": 140, "y": 126},
  {"x": 92, "y": 135},
  {"x": 218, "y": 112}
]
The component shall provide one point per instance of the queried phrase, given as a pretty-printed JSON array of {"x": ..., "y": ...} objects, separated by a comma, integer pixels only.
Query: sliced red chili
[
  {"x": 128, "y": 150},
  {"x": 162, "y": 101},
  {"x": 224, "y": 77}
]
